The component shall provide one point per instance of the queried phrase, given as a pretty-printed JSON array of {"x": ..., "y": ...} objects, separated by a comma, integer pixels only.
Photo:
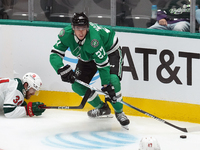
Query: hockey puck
[{"x": 183, "y": 136}]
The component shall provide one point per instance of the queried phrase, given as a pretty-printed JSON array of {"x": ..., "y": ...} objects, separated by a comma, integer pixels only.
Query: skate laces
[
  {"x": 95, "y": 112},
  {"x": 121, "y": 116}
]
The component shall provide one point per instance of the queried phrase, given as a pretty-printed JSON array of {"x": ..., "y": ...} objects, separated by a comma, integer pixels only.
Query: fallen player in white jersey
[{"x": 13, "y": 92}]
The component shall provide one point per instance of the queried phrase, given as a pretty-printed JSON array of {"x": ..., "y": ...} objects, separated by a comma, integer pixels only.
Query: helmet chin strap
[{"x": 28, "y": 87}]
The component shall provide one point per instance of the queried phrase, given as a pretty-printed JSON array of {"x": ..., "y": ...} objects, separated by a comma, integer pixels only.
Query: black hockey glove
[
  {"x": 109, "y": 89},
  {"x": 67, "y": 74}
]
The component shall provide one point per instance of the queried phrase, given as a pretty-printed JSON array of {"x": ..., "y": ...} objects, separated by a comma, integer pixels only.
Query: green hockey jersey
[{"x": 97, "y": 45}]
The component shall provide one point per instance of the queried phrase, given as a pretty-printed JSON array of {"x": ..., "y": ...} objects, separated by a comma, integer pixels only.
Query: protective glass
[
  {"x": 80, "y": 28},
  {"x": 32, "y": 91}
]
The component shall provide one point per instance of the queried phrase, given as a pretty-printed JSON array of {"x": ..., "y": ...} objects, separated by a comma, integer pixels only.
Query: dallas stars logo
[
  {"x": 94, "y": 43},
  {"x": 78, "y": 72},
  {"x": 62, "y": 33}
]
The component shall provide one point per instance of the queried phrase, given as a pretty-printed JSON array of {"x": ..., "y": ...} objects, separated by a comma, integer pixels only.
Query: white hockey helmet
[
  {"x": 33, "y": 80},
  {"x": 149, "y": 143}
]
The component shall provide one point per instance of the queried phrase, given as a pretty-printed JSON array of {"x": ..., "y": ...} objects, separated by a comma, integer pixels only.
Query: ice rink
[{"x": 68, "y": 130}]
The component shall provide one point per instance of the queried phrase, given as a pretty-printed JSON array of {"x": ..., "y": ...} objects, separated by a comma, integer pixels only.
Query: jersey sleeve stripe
[
  {"x": 114, "y": 47},
  {"x": 103, "y": 64},
  {"x": 60, "y": 53},
  {"x": 8, "y": 108}
]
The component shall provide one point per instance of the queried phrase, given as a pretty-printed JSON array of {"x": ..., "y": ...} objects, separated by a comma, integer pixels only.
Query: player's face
[
  {"x": 80, "y": 31},
  {"x": 30, "y": 92}
]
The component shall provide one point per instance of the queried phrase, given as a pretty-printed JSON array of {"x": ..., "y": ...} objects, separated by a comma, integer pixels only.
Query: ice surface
[{"x": 68, "y": 130}]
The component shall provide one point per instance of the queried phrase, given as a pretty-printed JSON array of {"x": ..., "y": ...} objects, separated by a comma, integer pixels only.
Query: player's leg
[
  {"x": 160, "y": 27},
  {"x": 85, "y": 71},
  {"x": 181, "y": 26},
  {"x": 116, "y": 63}
]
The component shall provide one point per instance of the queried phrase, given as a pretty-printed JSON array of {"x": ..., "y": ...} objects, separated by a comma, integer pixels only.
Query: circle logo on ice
[{"x": 90, "y": 140}]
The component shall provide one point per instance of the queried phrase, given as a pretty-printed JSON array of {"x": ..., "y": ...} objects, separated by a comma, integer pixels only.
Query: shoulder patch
[
  {"x": 94, "y": 43},
  {"x": 62, "y": 33}
]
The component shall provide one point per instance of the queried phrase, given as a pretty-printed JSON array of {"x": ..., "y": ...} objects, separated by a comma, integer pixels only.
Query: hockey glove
[
  {"x": 67, "y": 74},
  {"x": 109, "y": 89},
  {"x": 32, "y": 109}
]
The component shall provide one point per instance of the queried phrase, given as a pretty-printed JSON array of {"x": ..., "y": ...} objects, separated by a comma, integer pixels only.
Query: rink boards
[
  {"x": 162, "y": 109},
  {"x": 160, "y": 74}
]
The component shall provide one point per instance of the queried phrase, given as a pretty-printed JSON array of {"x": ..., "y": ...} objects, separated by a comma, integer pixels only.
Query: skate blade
[
  {"x": 102, "y": 117},
  {"x": 125, "y": 127}
]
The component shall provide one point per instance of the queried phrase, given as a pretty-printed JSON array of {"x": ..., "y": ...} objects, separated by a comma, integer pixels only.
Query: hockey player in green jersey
[
  {"x": 13, "y": 92},
  {"x": 96, "y": 48}
]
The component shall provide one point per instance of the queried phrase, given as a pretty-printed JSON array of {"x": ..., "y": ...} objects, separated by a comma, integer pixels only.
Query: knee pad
[
  {"x": 117, "y": 85},
  {"x": 115, "y": 82}
]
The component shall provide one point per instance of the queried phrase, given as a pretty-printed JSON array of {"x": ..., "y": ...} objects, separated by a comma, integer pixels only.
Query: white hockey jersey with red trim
[{"x": 12, "y": 95}]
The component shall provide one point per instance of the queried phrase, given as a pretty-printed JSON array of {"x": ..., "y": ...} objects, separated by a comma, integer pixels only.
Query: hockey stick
[
  {"x": 192, "y": 129},
  {"x": 81, "y": 106},
  {"x": 154, "y": 117}
]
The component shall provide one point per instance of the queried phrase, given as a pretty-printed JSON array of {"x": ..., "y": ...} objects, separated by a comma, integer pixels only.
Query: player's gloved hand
[
  {"x": 109, "y": 89},
  {"x": 32, "y": 109},
  {"x": 67, "y": 74}
]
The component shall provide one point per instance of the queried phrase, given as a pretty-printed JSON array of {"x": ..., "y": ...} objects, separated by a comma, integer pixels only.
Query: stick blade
[{"x": 84, "y": 100}]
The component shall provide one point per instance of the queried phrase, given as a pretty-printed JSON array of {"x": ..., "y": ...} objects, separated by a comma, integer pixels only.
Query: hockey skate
[
  {"x": 123, "y": 120},
  {"x": 103, "y": 112}
]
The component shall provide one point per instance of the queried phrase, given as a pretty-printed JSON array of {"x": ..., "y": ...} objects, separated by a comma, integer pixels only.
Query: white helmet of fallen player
[
  {"x": 33, "y": 80},
  {"x": 149, "y": 143}
]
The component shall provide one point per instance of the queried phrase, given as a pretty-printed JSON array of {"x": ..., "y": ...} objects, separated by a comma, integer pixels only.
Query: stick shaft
[
  {"x": 89, "y": 86},
  {"x": 154, "y": 117},
  {"x": 81, "y": 106},
  {"x": 142, "y": 111}
]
